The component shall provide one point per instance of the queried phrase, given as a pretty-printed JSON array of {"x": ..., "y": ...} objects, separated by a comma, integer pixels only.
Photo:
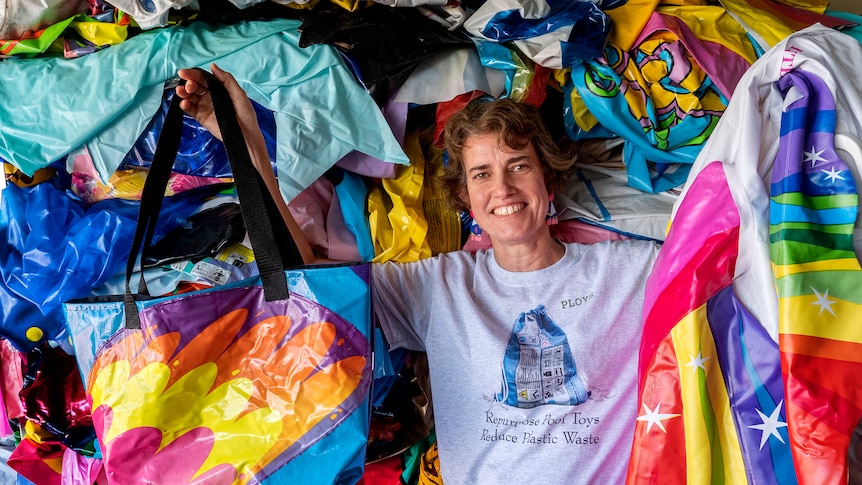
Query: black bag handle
[{"x": 273, "y": 246}]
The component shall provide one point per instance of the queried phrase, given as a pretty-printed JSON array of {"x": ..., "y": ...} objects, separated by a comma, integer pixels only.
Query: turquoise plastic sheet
[{"x": 106, "y": 99}]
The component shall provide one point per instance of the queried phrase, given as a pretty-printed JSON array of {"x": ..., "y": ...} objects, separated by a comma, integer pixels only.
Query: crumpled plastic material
[
  {"x": 38, "y": 457},
  {"x": 362, "y": 164},
  {"x": 444, "y": 222},
  {"x": 604, "y": 198},
  {"x": 200, "y": 153},
  {"x": 53, "y": 397},
  {"x": 79, "y": 35},
  {"x": 452, "y": 72},
  {"x": 628, "y": 20},
  {"x": 525, "y": 80},
  {"x": 711, "y": 23},
  {"x": 554, "y": 34},
  {"x": 337, "y": 116},
  {"x": 11, "y": 382},
  {"x": 22, "y": 16},
  {"x": 352, "y": 193},
  {"x": 204, "y": 234},
  {"x": 128, "y": 184},
  {"x": 382, "y": 44},
  {"x": 15, "y": 176},
  {"x": 152, "y": 13},
  {"x": 762, "y": 246},
  {"x": 317, "y": 211},
  {"x": 53, "y": 251},
  {"x": 770, "y": 22},
  {"x": 88, "y": 35},
  {"x": 855, "y": 31},
  {"x": 413, "y": 3},
  {"x": 395, "y": 213},
  {"x": 82, "y": 470},
  {"x": 659, "y": 98},
  {"x": 443, "y": 111}
]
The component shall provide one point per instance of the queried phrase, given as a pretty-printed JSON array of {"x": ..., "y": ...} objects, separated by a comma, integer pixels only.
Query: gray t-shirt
[{"x": 533, "y": 374}]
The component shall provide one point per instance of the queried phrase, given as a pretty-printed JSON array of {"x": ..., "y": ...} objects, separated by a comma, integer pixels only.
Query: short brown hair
[{"x": 517, "y": 124}]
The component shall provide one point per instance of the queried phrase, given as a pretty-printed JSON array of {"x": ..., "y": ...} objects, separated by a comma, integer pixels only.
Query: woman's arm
[{"x": 197, "y": 103}]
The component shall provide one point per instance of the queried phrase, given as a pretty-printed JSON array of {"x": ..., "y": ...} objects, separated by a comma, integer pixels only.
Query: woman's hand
[{"x": 198, "y": 104}]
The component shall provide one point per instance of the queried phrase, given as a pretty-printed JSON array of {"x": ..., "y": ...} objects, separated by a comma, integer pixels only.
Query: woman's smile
[{"x": 508, "y": 210}]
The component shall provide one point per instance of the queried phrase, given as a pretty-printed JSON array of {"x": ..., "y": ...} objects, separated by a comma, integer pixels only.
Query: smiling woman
[
  {"x": 532, "y": 345},
  {"x": 504, "y": 167}
]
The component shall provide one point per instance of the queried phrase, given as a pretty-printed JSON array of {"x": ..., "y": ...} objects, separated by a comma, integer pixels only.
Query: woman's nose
[{"x": 503, "y": 185}]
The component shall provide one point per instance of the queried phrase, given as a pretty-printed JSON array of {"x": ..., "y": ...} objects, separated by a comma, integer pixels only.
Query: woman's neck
[{"x": 529, "y": 257}]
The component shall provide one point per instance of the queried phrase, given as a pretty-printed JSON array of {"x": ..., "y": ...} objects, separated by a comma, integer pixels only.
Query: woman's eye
[{"x": 480, "y": 175}]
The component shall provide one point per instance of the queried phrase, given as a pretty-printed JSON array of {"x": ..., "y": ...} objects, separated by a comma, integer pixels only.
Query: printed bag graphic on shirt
[{"x": 538, "y": 367}]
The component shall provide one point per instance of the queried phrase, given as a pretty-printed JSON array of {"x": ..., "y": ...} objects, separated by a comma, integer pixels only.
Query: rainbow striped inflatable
[{"x": 752, "y": 342}]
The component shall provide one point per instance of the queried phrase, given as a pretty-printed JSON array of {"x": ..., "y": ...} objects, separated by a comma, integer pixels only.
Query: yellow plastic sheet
[
  {"x": 690, "y": 3},
  {"x": 351, "y": 5},
  {"x": 99, "y": 33},
  {"x": 444, "y": 223},
  {"x": 585, "y": 120},
  {"x": 767, "y": 26},
  {"x": 628, "y": 21},
  {"x": 818, "y": 6},
  {"x": 19, "y": 178},
  {"x": 714, "y": 24},
  {"x": 396, "y": 217}
]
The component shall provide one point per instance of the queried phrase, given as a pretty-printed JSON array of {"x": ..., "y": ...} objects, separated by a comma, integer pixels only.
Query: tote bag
[{"x": 265, "y": 380}]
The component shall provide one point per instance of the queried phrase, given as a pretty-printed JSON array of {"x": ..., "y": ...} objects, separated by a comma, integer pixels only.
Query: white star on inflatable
[
  {"x": 832, "y": 174},
  {"x": 813, "y": 156},
  {"x": 769, "y": 425},
  {"x": 824, "y": 301},
  {"x": 652, "y": 417},
  {"x": 698, "y": 361}
]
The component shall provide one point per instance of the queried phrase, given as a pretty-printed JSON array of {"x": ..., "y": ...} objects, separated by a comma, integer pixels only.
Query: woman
[{"x": 532, "y": 345}]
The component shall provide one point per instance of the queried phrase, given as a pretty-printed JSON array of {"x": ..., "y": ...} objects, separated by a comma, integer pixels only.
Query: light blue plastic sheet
[
  {"x": 106, "y": 99},
  {"x": 352, "y": 193}
]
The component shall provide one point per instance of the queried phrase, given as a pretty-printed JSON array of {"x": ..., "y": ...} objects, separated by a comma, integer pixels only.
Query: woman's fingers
[
  {"x": 225, "y": 77},
  {"x": 237, "y": 94},
  {"x": 196, "y": 101}
]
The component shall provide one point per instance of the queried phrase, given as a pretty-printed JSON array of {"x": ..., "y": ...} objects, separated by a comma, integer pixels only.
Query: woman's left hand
[{"x": 197, "y": 102}]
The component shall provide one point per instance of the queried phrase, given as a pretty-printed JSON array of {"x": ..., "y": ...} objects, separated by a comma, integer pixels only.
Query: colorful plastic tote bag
[{"x": 265, "y": 380}]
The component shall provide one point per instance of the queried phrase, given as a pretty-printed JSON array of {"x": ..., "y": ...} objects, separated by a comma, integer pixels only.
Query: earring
[
  {"x": 551, "y": 216},
  {"x": 475, "y": 230}
]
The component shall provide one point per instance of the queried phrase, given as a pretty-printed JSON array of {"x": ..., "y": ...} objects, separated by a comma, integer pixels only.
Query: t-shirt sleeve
[{"x": 400, "y": 301}]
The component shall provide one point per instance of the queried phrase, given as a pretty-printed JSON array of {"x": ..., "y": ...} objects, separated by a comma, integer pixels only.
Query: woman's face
[{"x": 506, "y": 190}]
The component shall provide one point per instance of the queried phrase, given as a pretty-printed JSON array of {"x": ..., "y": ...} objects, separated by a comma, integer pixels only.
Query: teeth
[{"x": 508, "y": 210}]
